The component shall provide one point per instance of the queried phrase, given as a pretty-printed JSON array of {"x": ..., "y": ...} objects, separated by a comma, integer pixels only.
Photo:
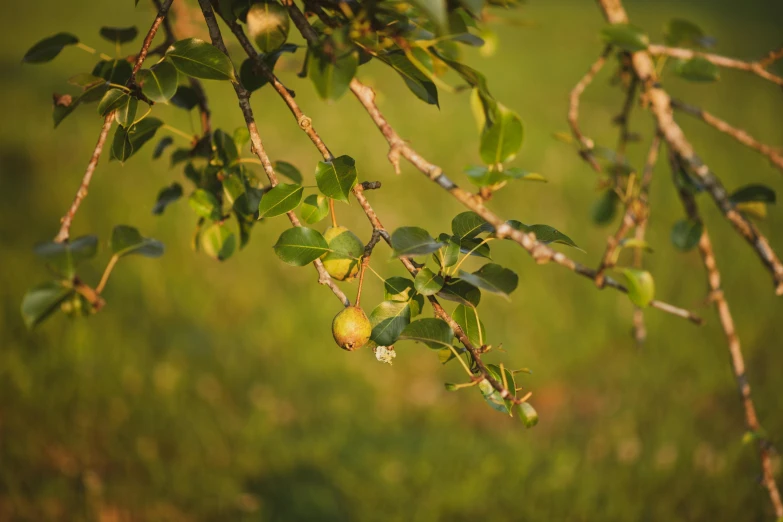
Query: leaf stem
[
  {"x": 179, "y": 132},
  {"x": 455, "y": 270},
  {"x": 464, "y": 365},
  {"x": 91, "y": 50},
  {"x": 107, "y": 273},
  {"x": 331, "y": 212}
]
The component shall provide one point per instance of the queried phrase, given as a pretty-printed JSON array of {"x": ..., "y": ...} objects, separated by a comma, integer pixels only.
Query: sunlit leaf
[
  {"x": 336, "y": 178},
  {"x": 281, "y": 199},
  {"x": 641, "y": 287},
  {"x": 300, "y": 246}
]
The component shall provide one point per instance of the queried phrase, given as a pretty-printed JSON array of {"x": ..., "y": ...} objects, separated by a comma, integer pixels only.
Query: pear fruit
[
  {"x": 351, "y": 328},
  {"x": 268, "y": 25},
  {"x": 342, "y": 263}
]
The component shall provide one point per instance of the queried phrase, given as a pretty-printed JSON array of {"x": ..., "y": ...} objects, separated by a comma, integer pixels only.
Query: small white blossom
[{"x": 385, "y": 354}]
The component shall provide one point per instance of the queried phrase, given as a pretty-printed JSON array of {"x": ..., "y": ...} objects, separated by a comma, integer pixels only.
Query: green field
[{"x": 209, "y": 391}]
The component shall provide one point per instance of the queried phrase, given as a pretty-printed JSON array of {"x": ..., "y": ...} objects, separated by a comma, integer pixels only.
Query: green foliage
[
  {"x": 119, "y": 35},
  {"x": 314, "y": 208},
  {"x": 641, "y": 287},
  {"x": 63, "y": 258},
  {"x": 686, "y": 234},
  {"x": 48, "y": 48},
  {"x": 159, "y": 82},
  {"x": 413, "y": 241},
  {"x": 492, "y": 278},
  {"x": 336, "y": 178},
  {"x": 428, "y": 282},
  {"x": 697, "y": 70},
  {"x": 128, "y": 141},
  {"x": 300, "y": 246},
  {"x": 268, "y": 25},
  {"x": 200, "y": 59},
  {"x": 218, "y": 241},
  {"x": 127, "y": 241},
  {"x": 625, "y": 36},
  {"x": 431, "y": 331},
  {"x": 281, "y": 199}
]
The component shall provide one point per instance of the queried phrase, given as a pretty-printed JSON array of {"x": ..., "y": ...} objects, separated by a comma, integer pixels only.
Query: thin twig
[
  {"x": 243, "y": 96},
  {"x": 771, "y": 57},
  {"x": 368, "y": 248},
  {"x": 660, "y": 105},
  {"x": 587, "y": 145},
  {"x": 721, "y": 61},
  {"x": 740, "y": 135},
  {"x": 718, "y": 297},
  {"x": 145, "y": 47}
]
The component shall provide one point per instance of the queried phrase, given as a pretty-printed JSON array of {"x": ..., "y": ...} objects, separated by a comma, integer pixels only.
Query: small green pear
[
  {"x": 342, "y": 262},
  {"x": 268, "y": 25},
  {"x": 351, "y": 328}
]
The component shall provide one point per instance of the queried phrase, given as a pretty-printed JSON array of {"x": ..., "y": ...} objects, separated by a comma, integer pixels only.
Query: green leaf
[
  {"x": 753, "y": 193},
  {"x": 402, "y": 289},
  {"x": 605, "y": 208},
  {"x": 64, "y": 257},
  {"x": 331, "y": 77},
  {"x": 126, "y": 113},
  {"x": 461, "y": 292},
  {"x": 641, "y": 287},
  {"x": 40, "y": 302},
  {"x": 501, "y": 140},
  {"x": 226, "y": 147},
  {"x": 166, "y": 196},
  {"x": 128, "y": 141},
  {"x": 475, "y": 246},
  {"x": 697, "y": 69},
  {"x": 289, "y": 171},
  {"x": 84, "y": 80},
  {"x": 544, "y": 233},
  {"x": 485, "y": 177},
  {"x": 185, "y": 98},
  {"x": 336, "y": 178},
  {"x": 164, "y": 143},
  {"x": 314, "y": 208},
  {"x": 435, "y": 333},
  {"x": 428, "y": 282},
  {"x": 682, "y": 33},
  {"x": 449, "y": 254},
  {"x": 114, "y": 71},
  {"x": 435, "y": 10},
  {"x": 267, "y": 24},
  {"x": 413, "y": 241},
  {"x": 527, "y": 414},
  {"x": 65, "y": 105},
  {"x": 159, "y": 82},
  {"x": 467, "y": 225},
  {"x": 48, "y": 48},
  {"x": 491, "y": 395},
  {"x": 119, "y": 35},
  {"x": 686, "y": 234},
  {"x": 205, "y": 204},
  {"x": 200, "y": 59},
  {"x": 626, "y": 37},
  {"x": 493, "y": 278},
  {"x": 417, "y": 81},
  {"x": 218, "y": 241},
  {"x": 388, "y": 320},
  {"x": 281, "y": 199},
  {"x": 467, "y": 318},
  {"x": 252, "y": 79},
  {"x": 112, "y": 100},
  {"x": 127, "y": 240},
  {"x": 300, "y": 246}
]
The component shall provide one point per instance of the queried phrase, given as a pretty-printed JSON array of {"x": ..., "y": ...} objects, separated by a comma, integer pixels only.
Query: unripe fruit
[
  {"x": 351, "y": 328},
  {"x": 267, "y": 24},
  {"x": 342, "y": 262}
]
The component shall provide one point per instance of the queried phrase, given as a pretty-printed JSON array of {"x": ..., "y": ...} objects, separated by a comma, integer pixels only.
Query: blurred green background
[{"x": 208, "y": 391}]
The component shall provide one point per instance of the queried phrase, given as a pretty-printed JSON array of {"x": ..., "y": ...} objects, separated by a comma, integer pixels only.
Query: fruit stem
[{"x": 331, "y": 212}]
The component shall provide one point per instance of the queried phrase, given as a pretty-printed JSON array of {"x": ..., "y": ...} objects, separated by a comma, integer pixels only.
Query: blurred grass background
[{"x": 207, "y": 391}]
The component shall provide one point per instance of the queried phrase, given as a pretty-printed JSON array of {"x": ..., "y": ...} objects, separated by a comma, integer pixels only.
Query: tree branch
[
  {"x": 721, "y": 61},
  {"x": 660, "y": 105},
  {"x": 738, "y": 134},
  {"x": 257, "y": 146},
  {"x": 735, "y": 350},
  {"x": 587, "y": 145}
]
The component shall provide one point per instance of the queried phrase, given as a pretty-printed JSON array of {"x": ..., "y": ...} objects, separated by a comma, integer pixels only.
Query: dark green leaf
[
  {"x": 226, "y": 147},
  {"x": 300, "y": 246},
  {"x": 165, "y": 142},
  {"x": 125, "y": 114},
  {"x": 402, "y": 289},
  {"x": 128, "y": 142},
  {"x": 331, "y": 77},
  {"x": 127, "y": 240},
  {"x": 64, "y": 257},
  {"x": 48, "y": 48},
  {"x": 435, "y": 333},
  {"x": 159, "y": 82},
  {"x": 200, "y": 59},
  {"x": 185, "y": 98},
  {"x": 114, "y": 71},
  {"x": 112, "y": 100},
  {"x": 682, "y": 33},
  {"x": 336, "y": 178},
  {"x": 467, "y": 318},
  {"x": 119, "y": 35},
  {"x": 289, "y": 171},
  {"x": 281, "y": 199},
  {"x": 544, "y": 233},
  {"x": 417, "y": 81},
  {"x": 697, "y": 69},
  {"x": 493, "y": 278},
  {"x": 686, "y": 234},
  {"x": 491, "y": 395},
  {"x": 641, "y": 287},
  {"x": 388, "y": 320},
  {"x": 40, "y": 302},
  {"x": 468, "y": 225},
  {"x": 218, "y": 241},
  {"x": 413, "y": 241},
  {"x": 448, "y": 255},
  {"x": 166, "y": 196},
  {"x": 626, "y": 37},
  {"x": 428, "y": 282},
  {"x": 251, "y": 78},
  {"x": 314, "y": 208},
  {"x": 748, "y": 193},
  {"x": 461, "y": 292},
  {"x": 501, "y": 140},
  {"x": 605, "y": 208}
]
